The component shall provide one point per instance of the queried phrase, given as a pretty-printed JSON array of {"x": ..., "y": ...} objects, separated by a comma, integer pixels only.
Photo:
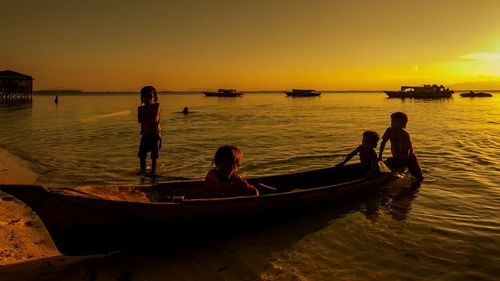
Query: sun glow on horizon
[
  {"x": 180, "y": 45},
  {"x": 482, "y": 56}
]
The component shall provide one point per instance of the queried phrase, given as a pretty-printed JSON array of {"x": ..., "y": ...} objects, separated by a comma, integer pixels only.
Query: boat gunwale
[
  {"x": 269, "y": 195},
  {"x": 210, "y": 201},
  {"x": 90, "y": 197}
]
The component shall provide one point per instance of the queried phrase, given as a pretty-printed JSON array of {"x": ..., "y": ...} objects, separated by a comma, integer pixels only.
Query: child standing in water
[
  {"x": 148, "y": 114},
  {"x": 224, "y": 181},
  {"x": 367, "y": 154},
  {"x": 401, "y": 147}
]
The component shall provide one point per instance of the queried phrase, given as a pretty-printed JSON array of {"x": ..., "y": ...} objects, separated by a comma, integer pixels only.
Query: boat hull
[
  {"x": 84, "y": 225},
  {"x": 474, "y": 95},
  {"x": 419, "y": 95},
  {"x": 217, "y": 94},
  {"x": 292, "y": 94}
]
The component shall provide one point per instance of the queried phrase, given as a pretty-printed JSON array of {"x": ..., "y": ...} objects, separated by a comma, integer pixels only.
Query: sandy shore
[
  {"x": 14, "y": 169},
  {"x": 22, "y": 235}
]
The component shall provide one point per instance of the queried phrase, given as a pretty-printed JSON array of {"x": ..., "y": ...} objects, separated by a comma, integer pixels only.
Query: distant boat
[
  {"x": 472, "y": 94},
  {"x": 303, "y": 93},
  {"x": 224, "y": 93},
  {"x": 421, "y": 92}
]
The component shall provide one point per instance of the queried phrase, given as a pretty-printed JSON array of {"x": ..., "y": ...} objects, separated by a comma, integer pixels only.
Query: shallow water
[{"x": 446, "y": 229}]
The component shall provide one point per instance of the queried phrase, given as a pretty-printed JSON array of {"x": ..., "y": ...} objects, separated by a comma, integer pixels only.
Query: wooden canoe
[{"x": 100, "y": 219}]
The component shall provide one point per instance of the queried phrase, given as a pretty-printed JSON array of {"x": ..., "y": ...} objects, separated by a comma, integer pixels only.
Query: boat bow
[{"x": 30, "y": 194}]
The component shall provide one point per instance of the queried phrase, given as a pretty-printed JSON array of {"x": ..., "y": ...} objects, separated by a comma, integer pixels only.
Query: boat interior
[
  {"x": 184, "y": 190},
  {"x": 266, "y": 185}
]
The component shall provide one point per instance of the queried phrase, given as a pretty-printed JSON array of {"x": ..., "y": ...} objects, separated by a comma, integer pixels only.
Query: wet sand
[
  {"x": 22, "y": 234},
  {"x": 26, "y": 250}
]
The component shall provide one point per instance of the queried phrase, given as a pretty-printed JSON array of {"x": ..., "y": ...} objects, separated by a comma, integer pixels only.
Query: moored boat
[
  {"x": 421, "y": 92},
  {"x": 99, "y": 219},
  {"x": 472, "y": 94},
  {"x": 224, "y": 93},
  {"x": 303, "y": 93}
]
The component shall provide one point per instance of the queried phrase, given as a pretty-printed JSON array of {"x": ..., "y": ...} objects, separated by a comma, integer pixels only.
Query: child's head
[
  {"x": 370, "y": 139},
  {"x": 399, "y": 120},
  {"x": 227, "y": 159},
  {"x": 148, "y": 94}
]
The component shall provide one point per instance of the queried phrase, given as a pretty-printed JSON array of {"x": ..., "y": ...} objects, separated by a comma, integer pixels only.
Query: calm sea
[{"x": 448, "y": 228}]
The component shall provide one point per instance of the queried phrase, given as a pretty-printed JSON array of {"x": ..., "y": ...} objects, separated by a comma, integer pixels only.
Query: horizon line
[{"x": 74, "y": 91}]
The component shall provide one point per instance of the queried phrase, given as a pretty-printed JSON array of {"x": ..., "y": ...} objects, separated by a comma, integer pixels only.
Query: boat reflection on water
[{"x": 16, "y": 103}]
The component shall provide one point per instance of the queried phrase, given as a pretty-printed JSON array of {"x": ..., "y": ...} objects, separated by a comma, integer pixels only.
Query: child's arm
[
  {"x": 385, "y": 137},
  {"x": 157, "y": 119},
  {"x": 349, "y": 156},
  {"x": 215, "y": 187},
  {"x": 246, "y": 188},
  {"x": 139, "y": 114}
]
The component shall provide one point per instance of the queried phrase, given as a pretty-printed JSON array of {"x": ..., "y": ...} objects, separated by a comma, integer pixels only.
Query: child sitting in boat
[
  {"x": 148, "y": 114},
  {"x": 224, "y": 181},
  {"x": 401, "y": 147},
  {"x": 367, "y": 154}
]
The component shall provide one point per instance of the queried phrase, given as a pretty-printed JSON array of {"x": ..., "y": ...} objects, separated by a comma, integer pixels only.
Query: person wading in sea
[{"x": 148, "y": 114}]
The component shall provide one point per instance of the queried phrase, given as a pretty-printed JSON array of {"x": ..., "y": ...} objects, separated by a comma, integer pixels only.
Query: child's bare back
[{"x": 401, "y": 146}]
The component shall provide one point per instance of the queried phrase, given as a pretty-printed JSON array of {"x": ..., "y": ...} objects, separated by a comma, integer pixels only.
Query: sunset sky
[{"x": 113, "y": 45}]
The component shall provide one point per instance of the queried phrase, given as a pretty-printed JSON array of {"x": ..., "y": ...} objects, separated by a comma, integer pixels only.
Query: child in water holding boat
[
  {"x": 367, "y": 154},
  {"x": 224, "y": 181},
  {"x": 148, "y": 114},
  {"x": 401, "y": 147}
]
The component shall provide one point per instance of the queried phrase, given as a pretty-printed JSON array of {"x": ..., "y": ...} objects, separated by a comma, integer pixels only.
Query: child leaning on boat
[
  {"x": 401, "y": 147},
  {"x": 223, "y": 180},
  {"x": 367, "y": 154}
]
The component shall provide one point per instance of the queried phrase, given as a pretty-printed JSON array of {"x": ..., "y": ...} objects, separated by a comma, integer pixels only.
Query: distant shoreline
[
  {"x": 57, "y": 91},
  {"x": 78, "y": 92},
  {"x": 52, "y": 93}
]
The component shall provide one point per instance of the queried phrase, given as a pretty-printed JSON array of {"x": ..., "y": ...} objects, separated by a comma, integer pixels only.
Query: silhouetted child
[
  {"x": 148, "y": 114},
  {"x": 367, "y": 154},
  {"x": 224, "y": 181},
  {"x": 401, "y": 147}
]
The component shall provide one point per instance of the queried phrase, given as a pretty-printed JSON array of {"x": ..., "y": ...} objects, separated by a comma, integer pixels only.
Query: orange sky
[{"x": 251, "y": 45}]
